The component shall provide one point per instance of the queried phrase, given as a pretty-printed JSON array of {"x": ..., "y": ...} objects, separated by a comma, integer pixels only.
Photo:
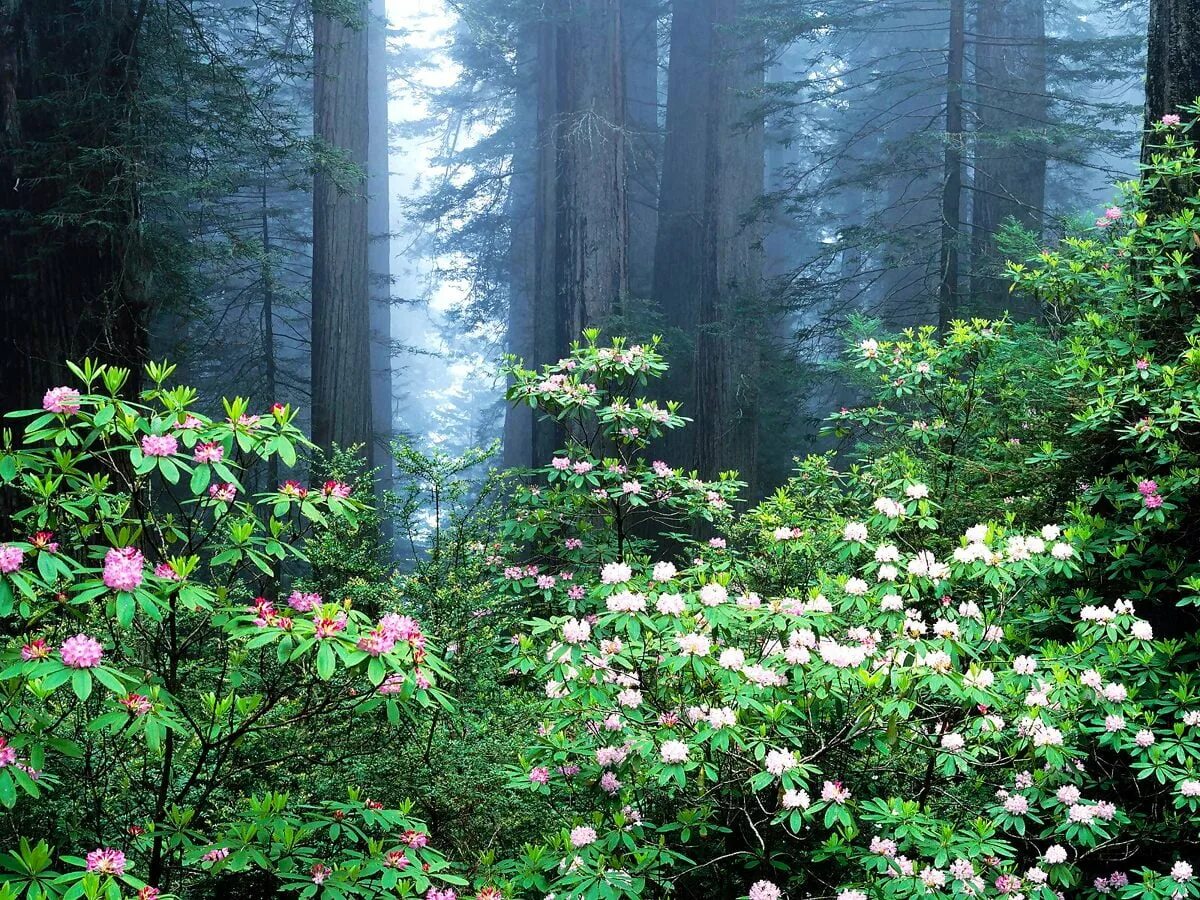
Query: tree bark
[
  {"x": 591, "y": 218},
  {"x": 708, "y": 265},
  {"x": 948, "y": 299},
  {"x": 379, "y": 228},
  {"x": 1172, "y": 61},
  {"x": 519, "y": 420},
  {"x": 68, "y": 81},
  {"x": 639, "y": 36},
  {"x": 1010, "y": 154},
  {"x": 579, "y": 212},
  {"x": 341, "y": 351}
]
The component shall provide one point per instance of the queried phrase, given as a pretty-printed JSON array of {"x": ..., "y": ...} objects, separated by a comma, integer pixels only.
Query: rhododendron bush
[
  {"x": 953, "y": 658},
  {"x": 882, "y": 720},
  {"x": 158, "y": 658}
]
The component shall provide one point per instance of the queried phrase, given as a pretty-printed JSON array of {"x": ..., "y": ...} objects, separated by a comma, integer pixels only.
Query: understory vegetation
[{"x": 955, "y": 656}]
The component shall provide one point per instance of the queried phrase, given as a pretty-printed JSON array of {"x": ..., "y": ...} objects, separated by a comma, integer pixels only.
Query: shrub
[
  {"x": 823, "y": 704},
  {"x": 155, "y": 668}
]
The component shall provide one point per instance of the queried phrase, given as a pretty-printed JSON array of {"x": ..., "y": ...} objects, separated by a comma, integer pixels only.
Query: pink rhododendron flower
[
  {"x": 302, "y": 602},
  {"x": 293, "y": 488},
  {"x": 165, "y": 571},
  {"x": 123, "y": 568},
  {"x": 328, "y": 625},
  {"x": 8, "y": 754},
  {"x": 210, "y": 452},
  {"x": 106, "y": 861},
  {"x": 376, "y": 642},
  {"x": 81, "y": 652},
  {"x": 1170, "y": 120},
  {"x": 765, "y": 890},
  {"x": 338, "y": 490},
  {"x": 583, "y": 835},
  {"x": 224, "y": 491},
  {"x": 576, "y": 631},
  {"x": 137, "y": 704},
  {"x": 673, "y": 752},
  {"x": 35, "y": 649},
  {"x": 10, "y": 558},
  {"x": 834, "y": 792},
  {"x": 63, "y": 400},
  {"x": 159, "y": 444},
  {"x": 615, "y": 573},
  {"x": 216, "y": 854},
  {"x": 393, "y": 684}
]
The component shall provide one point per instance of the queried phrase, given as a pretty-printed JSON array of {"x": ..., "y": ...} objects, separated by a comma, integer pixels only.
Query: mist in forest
[{"x": 360, "y": 208}]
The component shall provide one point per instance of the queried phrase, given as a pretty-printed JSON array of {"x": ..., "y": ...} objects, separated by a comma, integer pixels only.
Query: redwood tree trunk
[
  {"x": 379, "y": 247},
  {"x": 948, "y": 300},
  {"x": 341, "y": 351},
  {"x": 1172, "y": 60},
  {"x": 519, "y": 420},
  {"x": 591, "y": 215},
  {"x": 708, "y": 266},
  {"x": 68, "y": 83},
  {"x": 639, "y": 36},
  {"x": 1010, "y": 154},
  {"x": 579, "y": 211}
]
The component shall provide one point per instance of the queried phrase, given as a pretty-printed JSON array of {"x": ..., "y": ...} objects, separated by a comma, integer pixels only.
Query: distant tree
[
  {"x": 1011, "y": 131},
  {"x": 580, "y": 224},
  {"x": 639, "y": 50},
  {"x": 72, "y": 147},
  {"x": 341, "y": 309},
  {"x": 952, "y": 195},
  {"x": 379, "y": 249},
  {"x": 708, "y": 260}
]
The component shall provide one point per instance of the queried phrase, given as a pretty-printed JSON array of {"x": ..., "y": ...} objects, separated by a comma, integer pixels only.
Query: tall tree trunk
[
  {"x": 379, "y": 252},
  {"x": 519, "y": 419},
  {"x": 341, "y": 351},
  {"x": 1010, "y": 154},
  {"x": 591, "y": 219},
  {"x": 639, "y": 36},
  {"x": 679, "y": 243},
  {"x": 948, "y": 300},
  {"x": 708, "y": 268},
  {"x": 1172, "y": 60},
  {"x": 270, "y": 367},
  {"x": 580, "y": 213},
  {"x": 69, "y": 75}
]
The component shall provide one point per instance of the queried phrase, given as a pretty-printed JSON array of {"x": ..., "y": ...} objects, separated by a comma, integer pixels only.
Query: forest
[{"x": 600, "y": 449}]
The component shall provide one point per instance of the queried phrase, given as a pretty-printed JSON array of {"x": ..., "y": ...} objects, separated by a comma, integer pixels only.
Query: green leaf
[
  {"x": 169, "y": 470},
  {"x": 126, "y": 607},
  {"x": 326, "y": 662},
  {"x": 81, "y": 683},
  {"x": 201, "y": 476}
]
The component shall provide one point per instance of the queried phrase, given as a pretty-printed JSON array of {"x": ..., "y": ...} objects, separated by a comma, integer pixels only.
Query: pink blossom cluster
[
  {"x": 106, "y": 861},
  {"x": 62, "y": 400},
  {"x": 11, "y": 558},
  {"x": 160, "y": 445},
  {"x": 123, "y": 568},
  {"x": 1151, "y": 498},
  {"x": 81, "y": 652}
]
